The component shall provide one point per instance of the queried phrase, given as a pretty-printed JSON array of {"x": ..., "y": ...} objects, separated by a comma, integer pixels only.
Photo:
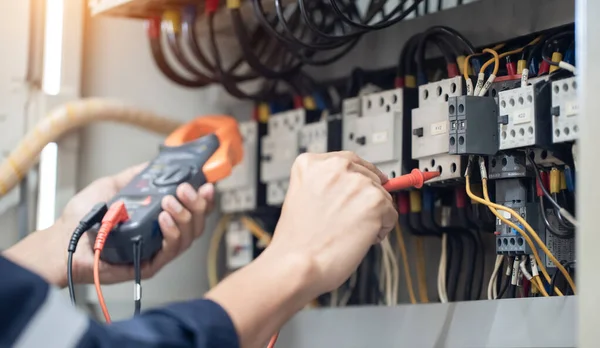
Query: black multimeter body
[{"x": 143, "y": 196}]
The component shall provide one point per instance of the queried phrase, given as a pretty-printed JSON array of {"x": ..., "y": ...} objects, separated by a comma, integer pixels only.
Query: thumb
[{"x": 123, "y": 178}]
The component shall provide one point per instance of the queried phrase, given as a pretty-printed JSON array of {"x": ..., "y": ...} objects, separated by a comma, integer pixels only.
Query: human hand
[
  {"x": 335, "y": 209},
  {"x": 45, "y": 252}
]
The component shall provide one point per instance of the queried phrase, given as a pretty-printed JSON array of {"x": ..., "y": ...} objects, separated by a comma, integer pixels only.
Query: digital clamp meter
[{"x": 202, "y": 151}]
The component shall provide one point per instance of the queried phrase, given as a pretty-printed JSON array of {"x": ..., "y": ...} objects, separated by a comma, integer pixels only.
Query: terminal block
[
  {"x": 239, "y": 191},
  {"x": 279, "y": 151},
  {"x": 372, "y": 128},
  {"x": 524, "y": 119},
  {"x": 515, "y": 194},
  {"x": 431, "y": 128},
  {"x": 562, "y": 249},
  {"x": 508, "y": 165},
  {"x": 473, "y": 129},
  {"x": 565, "y": 110}
]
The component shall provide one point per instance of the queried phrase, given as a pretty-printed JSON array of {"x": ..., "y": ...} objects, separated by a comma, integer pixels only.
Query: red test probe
[{"x": 416, "y": 178}]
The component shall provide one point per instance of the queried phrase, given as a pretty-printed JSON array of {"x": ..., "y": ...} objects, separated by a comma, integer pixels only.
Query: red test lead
[{"x": 416, "y": 178}]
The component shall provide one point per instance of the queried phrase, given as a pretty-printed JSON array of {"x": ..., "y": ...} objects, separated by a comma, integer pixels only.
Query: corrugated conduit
[{"x": 67, "y": 118}]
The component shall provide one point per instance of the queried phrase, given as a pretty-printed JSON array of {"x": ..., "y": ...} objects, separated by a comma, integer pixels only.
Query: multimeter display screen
[{"x": 132, "y": 203}]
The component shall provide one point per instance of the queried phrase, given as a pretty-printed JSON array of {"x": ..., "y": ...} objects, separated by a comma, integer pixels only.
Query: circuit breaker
[
  {"x": 431, "y": 128},
  {"x": 239, "y": 191},
  {"x": 372, "y": 128},
  {"x": 239, "y": 246},
  {"x": 279, "y": 151},
  {"x": 565, "y": 110},
  {"x": 473, "y": 129},
  {"x": 524, "y": 120},
  {"x": 322, "y": 136},
  {"x": 508, "y": 165}
]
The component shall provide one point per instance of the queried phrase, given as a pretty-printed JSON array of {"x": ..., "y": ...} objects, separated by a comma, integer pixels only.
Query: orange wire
[
  {"x": 98, "y": 288},
  {"x": 273, "y": 341}
]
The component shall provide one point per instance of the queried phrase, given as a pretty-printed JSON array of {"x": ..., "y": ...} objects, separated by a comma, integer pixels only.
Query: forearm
[
  {"x": 261, "y": 297},
  {"x": 42, "y": 252}
]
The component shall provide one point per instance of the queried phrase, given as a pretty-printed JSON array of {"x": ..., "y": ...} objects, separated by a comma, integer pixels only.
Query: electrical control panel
[
  {"x": 431, "y": 129},
  {"x": 473, "y": 129},
  {"x": 514, "y": 194},
  {"x": 239, "y": 191},
  {"x": 524, "y": 119},
  {"x": 239, "y": 246},
  {"x": 565, "y": 110},
  {"x": 372, "y": 128},
  {"x": 279, "y": 151}
]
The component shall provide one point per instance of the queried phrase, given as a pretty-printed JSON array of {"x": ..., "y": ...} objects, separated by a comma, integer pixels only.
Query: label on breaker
[
  {"x": 240, "y": 252},
  {"x": 562, "y": 249},
  {"x": 521, "y": 116},
  {"x": 572, "y": 108},
  {"x": 439, "y": 128},
  {"x": 379, "y": 137}
]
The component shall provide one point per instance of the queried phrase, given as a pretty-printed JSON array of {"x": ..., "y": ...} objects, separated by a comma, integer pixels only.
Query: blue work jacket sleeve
[{"x": 34, "y": 314}]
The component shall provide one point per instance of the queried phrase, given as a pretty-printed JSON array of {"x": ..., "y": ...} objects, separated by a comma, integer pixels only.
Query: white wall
[{"x": 14, "y": 41}]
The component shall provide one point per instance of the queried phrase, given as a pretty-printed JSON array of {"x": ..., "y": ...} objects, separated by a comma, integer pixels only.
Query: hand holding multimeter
[{"x": 204, "y": 150}]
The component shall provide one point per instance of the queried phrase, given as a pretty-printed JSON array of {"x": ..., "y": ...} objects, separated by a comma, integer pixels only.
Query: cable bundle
[{"x": 274, "y": 51}]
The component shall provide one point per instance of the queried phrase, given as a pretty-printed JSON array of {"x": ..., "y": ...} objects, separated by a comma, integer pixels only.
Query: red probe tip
[{"x": 416, "y": 178}]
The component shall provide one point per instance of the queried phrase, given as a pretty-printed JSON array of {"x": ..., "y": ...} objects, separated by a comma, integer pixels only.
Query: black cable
[
  {"x": 440, "y": 5},
  {"x": 513, "y": 291},
  {"x": 549, "y": 227},
  {"x": 137, "y": 273},
  {"x": 505, "y": 286},
  {"x": 70, "y": 278},
  {"x": 560, "y": 218},
  {"x": 384, "y": 23},
  {"x": 553, "y": 41},
  {"x": 93, "y": 217},
  {"x": 251, "y": 58}
]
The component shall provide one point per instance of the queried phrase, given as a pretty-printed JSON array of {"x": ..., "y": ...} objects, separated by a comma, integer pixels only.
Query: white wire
[
  {"x": 442, "y": 291},
  {"x": 348, "y": 293},
  {"x": 492, "y": 283},
  {"x": 386, "y": 273},
  {"x": 568, "y": 67},
  {"x": 392, "y": 272}
]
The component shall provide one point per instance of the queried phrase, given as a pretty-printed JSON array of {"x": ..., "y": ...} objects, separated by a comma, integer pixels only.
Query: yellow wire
[
  {"x": 256, "y": 230},
  {"x": 489, "y": 204},
  {"x": 466, "y": 65},
  {"x": 421, "y": 271},
  {"x": 495, "y": 60},
  {"x": 536, "y": 237},
  {"x": 492, "y": 206},
  {"x": 213, "y": 251},
  {"x": 508, "y": 53},
  {"x": 465, "y": 69},
  {"x": 407, "y": 275}
]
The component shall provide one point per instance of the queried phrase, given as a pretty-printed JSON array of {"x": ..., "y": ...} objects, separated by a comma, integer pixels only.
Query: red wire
[
  {"x": 98, "y": 288},
  {"x": 273, "y": 341}
]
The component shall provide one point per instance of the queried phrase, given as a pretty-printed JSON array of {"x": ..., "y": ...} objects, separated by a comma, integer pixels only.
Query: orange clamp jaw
[
  {"x": 230, "y": 151},
  {"x": 416, "y": 178}
]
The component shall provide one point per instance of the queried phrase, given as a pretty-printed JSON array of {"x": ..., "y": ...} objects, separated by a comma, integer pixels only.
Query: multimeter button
[{"x": 173, "y": 176}]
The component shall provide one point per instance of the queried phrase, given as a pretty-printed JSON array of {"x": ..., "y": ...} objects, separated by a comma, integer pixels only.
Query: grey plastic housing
[
  {"x": 515, "y": 194},
  {"x": 473, "y": 127}
]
